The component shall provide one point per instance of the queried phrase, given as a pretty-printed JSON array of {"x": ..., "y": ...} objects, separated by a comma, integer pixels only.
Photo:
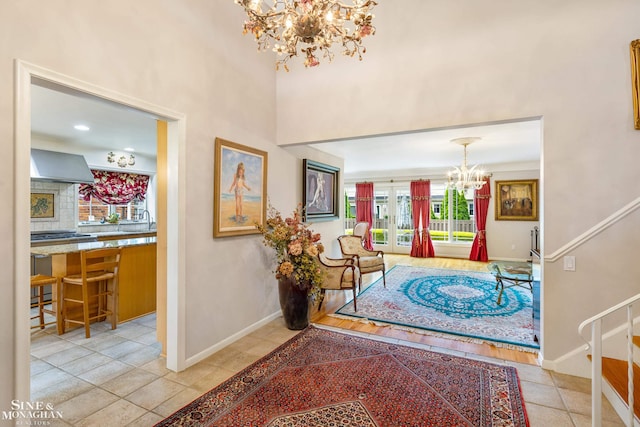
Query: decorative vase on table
[{"x": 294, "y": 303}]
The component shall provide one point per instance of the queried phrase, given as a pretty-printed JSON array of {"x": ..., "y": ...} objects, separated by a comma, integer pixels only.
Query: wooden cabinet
[
  {"x": 120, "y": 236},
  {"x": 137, "y": 278},
  {"x": 137, "y": 285}
]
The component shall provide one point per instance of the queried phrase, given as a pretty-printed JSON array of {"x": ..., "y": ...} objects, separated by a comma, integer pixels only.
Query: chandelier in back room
[
  {"x": 310, "y": 27},
  {"x": 462, "y": 178},
  {"x": 121, "y": 161}
]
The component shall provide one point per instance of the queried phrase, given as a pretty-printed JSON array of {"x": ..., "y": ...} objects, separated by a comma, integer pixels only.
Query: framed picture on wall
[
  {"x": 240, "y": 189},
  {"x": 635, "y": 81},
  {"x": 517, "y": 200},
  {"x": 320, "y": 191},
  {"x": 43, "y": 206}
]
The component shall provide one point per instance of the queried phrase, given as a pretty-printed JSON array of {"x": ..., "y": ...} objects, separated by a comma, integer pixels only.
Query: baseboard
[
  {"x": 229, "y": 340},
  {"x": 573, "y": 363}
]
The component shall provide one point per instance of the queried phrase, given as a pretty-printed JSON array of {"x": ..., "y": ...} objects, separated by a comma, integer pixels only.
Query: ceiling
[
  {"x": 55, "y": 111},
  {"x": 432, "y": 151},
  {"x": 112, "y": 126}
]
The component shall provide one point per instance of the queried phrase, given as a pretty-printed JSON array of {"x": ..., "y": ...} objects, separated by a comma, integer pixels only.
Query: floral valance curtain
[
  {"x": 364, "y": 208},
  {"x": 421, "y": 246},
  {"x": 116, "y": 188},
  {"x": 480, "y": 208}
]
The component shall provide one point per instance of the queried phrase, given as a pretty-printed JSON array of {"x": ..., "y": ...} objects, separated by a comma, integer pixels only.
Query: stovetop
[
  {"x": 60, "y": 237},
  {"x": 54, "y": 236}
]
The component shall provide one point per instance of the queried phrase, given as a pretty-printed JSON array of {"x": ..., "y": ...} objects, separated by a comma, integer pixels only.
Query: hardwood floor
[{"x": 334, "y": 300}]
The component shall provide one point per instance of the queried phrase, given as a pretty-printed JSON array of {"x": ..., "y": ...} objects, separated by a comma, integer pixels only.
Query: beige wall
[{"x": 435, "y": 64}]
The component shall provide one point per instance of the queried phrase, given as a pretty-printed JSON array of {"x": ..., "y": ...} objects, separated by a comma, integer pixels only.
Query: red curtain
[
  {"x": 480, "y": 208},
  {"x": 364, "y": 209},
  {"x": 421, "y": 246},
  {"x": 115, "y": 188}
]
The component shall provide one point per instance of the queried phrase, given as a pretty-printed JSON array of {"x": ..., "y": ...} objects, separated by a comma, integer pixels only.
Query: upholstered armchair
[
  {"x": 367, "y": 261},
  {"x": 360, "y": 229},
  {"x": 339, "y": 274}
]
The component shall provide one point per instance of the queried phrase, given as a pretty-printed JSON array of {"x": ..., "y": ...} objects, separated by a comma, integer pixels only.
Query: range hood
[{"x": 54, "y": 166}]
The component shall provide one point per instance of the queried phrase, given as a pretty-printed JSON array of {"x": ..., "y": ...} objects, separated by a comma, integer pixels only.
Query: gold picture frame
[
  {"x": 43, "y": 206},
  {"x": 635, "y": 81},
  {"x": 240, "y": 189},
  {"x": 517, "y": 200}
]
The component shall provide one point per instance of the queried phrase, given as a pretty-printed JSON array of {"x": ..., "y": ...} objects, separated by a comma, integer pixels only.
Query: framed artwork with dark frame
[
  {"x": 240, "y": 189},
  {"x": 517, "y": 200},
  {"x": 635, "y": 81},
  {"x": 320, "y": 191}
]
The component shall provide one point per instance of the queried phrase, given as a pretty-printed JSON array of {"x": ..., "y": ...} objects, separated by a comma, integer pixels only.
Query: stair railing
[{"x": 596, "y": 359}]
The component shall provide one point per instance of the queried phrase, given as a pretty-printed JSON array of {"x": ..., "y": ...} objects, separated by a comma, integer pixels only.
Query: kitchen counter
[
  {"x": 77, "y": 247},
  {"x": 123, "y": 234},
  {"x": 137, "y": 271}
]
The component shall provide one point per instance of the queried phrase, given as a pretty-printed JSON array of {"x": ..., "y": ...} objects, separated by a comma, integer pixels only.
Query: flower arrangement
[{"x": 296, "y": 248}]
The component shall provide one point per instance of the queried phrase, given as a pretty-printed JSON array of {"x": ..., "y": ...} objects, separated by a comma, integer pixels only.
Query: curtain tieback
[{"x": 481, "y": 237}]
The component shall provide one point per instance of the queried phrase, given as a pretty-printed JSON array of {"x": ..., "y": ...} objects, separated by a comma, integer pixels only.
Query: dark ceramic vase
[{"x": 294, "y": 303}]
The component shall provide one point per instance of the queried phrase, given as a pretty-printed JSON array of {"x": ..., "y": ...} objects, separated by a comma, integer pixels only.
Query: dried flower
[{"x": 297, "y": 249}]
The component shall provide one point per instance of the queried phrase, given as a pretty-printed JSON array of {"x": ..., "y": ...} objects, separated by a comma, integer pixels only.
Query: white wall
[
  {"x": 431, "y": 64},
  {"x": 509, "y": 239},
  {"x": 192, "y": 60},
  {"x": 96, "y": 159},
  {"x": 434, "y": 64}
]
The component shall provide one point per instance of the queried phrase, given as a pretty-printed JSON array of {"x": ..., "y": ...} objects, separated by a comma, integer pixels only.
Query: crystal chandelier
[
  {"x": 311, "y": 26},
  {"x": 121, "y": 161},
  {"x": 462, "y": 178}
]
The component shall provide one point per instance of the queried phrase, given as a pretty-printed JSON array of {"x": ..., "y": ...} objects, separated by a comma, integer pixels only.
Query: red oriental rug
[{"x": 326, "y": 378}]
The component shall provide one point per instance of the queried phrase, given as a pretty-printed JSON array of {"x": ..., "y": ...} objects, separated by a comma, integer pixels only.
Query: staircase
[
  {"x": 622, "y": 376},
  {"x": 614, "y": 371}
]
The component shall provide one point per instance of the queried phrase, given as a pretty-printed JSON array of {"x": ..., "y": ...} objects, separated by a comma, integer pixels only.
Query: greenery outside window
[
  {"x": 451, "y": 218},
  {"x": 454, "y": 221},
  {"x": 95, "y": 210}
]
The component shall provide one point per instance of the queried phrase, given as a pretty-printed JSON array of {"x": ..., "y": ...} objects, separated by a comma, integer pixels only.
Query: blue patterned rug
[{"x": 461, "y": 303}]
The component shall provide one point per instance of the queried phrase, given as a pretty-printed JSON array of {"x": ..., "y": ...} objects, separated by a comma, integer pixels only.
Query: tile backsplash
[{"x": 65, "y": 206}]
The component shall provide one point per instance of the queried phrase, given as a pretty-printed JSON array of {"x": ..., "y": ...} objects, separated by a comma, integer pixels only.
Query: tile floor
[{"x": 117, "y": 378}]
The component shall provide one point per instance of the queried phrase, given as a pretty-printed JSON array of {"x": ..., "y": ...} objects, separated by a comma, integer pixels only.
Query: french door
[
  {"x": 393, "y": 226},
  {"x": 451, "y": 217}
]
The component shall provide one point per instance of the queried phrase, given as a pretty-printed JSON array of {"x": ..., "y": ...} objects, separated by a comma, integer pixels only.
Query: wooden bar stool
[
  {"x": 95, "y": 289},
  {"x": 38, "y": 282}
]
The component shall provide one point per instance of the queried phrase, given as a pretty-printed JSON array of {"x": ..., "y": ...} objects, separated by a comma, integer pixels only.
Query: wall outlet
[{"x": 570, "y": 263}]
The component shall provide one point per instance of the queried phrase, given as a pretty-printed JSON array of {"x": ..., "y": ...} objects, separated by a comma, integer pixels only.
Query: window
[
  {"x": 95, "y": 210},
  {"x": 436, "y": 208},
  {"x": 393, "y": 219},
  {"x": 452, "y": 214},
  {"x": 111, "y": 193}
]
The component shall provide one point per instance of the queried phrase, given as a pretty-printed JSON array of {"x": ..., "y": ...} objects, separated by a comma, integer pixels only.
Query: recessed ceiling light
[
  {"x": 131, "y": 150},
  {"x": 81, "y": 127}
]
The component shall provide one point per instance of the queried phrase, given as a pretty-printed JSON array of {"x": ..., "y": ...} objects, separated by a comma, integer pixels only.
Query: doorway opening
[{"x": 172, "y": 284}]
